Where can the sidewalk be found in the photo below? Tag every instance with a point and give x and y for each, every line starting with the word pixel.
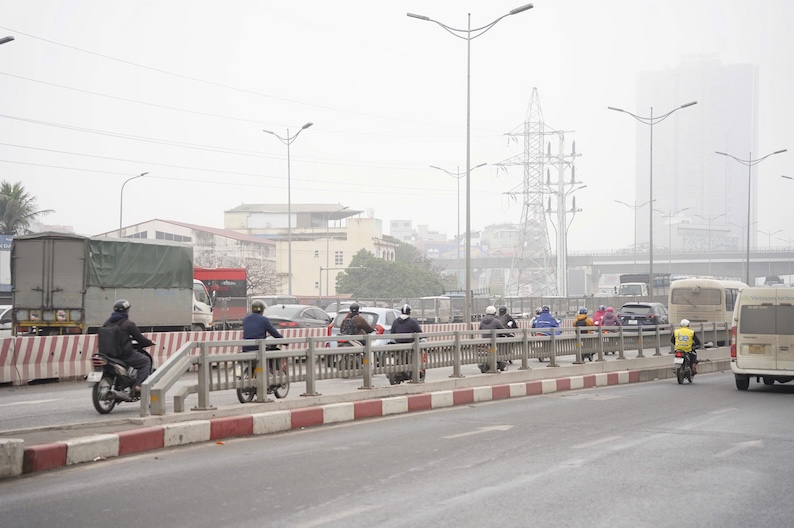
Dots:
pixel 40 449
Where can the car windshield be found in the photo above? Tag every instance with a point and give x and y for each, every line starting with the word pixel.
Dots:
pixel 636 310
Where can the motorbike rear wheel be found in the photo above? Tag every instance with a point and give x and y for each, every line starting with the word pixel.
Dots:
pixel 99 394
pixel 679 374
pixel 689 374
pixel 246 395
pixel 281 390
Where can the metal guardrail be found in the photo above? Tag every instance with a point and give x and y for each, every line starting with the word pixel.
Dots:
pixel 322 358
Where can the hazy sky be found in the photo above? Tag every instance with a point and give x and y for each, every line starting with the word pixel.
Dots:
pixel 95 92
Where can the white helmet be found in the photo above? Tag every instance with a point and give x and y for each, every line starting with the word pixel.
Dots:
pixel 491 310
pixel 684 322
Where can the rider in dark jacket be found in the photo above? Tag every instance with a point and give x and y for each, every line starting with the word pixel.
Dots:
pixel 129 332
pixel 257 326
pixel 405 325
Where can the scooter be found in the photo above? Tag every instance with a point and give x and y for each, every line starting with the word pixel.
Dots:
pixel 113 381
pixel 396 378
pixel 683 367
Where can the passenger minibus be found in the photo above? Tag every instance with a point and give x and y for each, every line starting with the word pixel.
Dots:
pixel 703 301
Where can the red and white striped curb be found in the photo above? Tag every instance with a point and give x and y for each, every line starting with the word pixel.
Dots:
pixel 16 459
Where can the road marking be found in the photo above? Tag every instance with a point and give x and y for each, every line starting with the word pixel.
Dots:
pixel 349 512
pixel 741 446
pixel 480 430
pixel 597 442
pixel 723 411
pixel 31 402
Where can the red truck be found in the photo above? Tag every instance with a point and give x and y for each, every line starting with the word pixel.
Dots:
pixel 227 287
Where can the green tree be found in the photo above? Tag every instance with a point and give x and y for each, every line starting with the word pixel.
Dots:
pixel 386 279
pixel 17 209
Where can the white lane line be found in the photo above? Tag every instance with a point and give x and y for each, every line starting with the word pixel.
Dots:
pixel 480 430
pixel 741 446
pixel 29 402
pixel 597 442
pixel 349 512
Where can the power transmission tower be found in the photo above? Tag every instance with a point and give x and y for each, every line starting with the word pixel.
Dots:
pixel 532 271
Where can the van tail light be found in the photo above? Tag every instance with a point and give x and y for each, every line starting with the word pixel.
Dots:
pixel 733 342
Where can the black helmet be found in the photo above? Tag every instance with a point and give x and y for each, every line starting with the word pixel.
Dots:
pixel 406 309
pixel 502 310
pixel 545 308
pixel 258 306
pixel 583 311
pixel 122 305
pixel 354 308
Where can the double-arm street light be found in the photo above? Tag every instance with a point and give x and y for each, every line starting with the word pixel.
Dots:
pixel 749 162
pixel 650 121
pixel 709 220
pixel 121 198
pixel 468 34
pixel 634 208
pixel 288 141
pixel 458 175
pixel 669 216
pixel 6 39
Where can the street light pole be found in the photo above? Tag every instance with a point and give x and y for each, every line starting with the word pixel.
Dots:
pixel 458 175
pixel 634 207
pixel 121 198
pixel 749 162
pixel 650 121
pixel 6 39
pixel 468 38
pixel 770 234
pixel 328 250
pixel 709 219
pixel 288 141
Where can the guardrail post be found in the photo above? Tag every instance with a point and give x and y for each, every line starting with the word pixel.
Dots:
pixel 658 343
pixel 311 370
pixel 456 356
pixel 204 380
pixel 492 359
pixel 261 372
pixel 366 363
pixel 622 346
pixel 553 354
pixel 417 361
pixel 525 350
pixel 641 342
pixel 578 359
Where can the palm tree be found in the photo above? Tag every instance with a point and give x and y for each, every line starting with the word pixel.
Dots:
pixel 17 209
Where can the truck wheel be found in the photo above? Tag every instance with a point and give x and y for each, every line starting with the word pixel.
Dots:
pixel 742 382
pixel 196 328
pixel 768 380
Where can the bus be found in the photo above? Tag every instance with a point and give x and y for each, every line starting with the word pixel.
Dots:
pixel 703 301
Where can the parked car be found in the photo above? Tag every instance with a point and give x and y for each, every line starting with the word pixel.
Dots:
pixel 635 314
pixel 285 316
pixel 333 308
pixel 5 320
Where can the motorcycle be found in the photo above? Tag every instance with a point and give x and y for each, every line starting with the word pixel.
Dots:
pixel 279 390
pixel 113 381
pixel 683 367
pixel 395 378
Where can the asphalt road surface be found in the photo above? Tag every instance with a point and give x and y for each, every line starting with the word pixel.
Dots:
pixel 653 454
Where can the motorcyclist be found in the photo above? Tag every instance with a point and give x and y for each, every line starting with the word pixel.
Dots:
pixel 538 311
pixel 583 320
pixel 507 319
pixel 362 327
pixel 686 340
pixel 129 332
pixel 599 315
pixel 490 321
pixel 257 326
pixel 545 320
pixel 405 325
pixel 610 318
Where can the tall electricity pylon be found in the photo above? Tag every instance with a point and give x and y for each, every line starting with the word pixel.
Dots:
pixel 532 270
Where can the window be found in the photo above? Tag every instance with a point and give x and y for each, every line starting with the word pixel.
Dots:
pixel 730 298
pixel 701 296
pixel 316 253
pixel 339 258
pixel 142 234
pixel 160 235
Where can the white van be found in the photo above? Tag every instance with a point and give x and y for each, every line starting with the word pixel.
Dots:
pixel 430 310
pixel 762 337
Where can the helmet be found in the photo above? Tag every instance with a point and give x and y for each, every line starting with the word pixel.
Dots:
pixel 610 309
pixel 602 307
pixel 354 308
pixel 406 309
pixel 537 311
pixel 684 322
pixel 258 306
pixel 502 310
pixel 122 305
pixel 491 310
pixel 582 310
pixel 545 308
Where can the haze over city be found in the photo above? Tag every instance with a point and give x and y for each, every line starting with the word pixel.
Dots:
pixel 95 93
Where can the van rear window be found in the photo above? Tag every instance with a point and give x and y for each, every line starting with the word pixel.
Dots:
pixel 767 319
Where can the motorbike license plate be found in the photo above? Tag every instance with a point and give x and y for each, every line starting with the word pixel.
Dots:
pixel 757 349
pixel 94 377
pixel 678 361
